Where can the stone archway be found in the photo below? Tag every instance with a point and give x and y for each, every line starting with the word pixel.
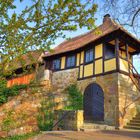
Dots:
pixel 93 103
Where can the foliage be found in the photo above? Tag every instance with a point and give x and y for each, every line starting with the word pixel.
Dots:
pixel 46 114
pixel 8 121
pixel 39 24
pixel 21 137
pixel 75 98
pixel 7 92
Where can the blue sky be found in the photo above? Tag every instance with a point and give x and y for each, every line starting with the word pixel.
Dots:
pixel 99 16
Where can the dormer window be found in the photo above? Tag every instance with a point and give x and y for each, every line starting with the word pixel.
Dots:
pixel 70 61
pixel 56 64
pixel 89 56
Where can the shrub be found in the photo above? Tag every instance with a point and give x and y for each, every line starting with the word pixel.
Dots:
pixel 8 121
pixel 75 98
pixel 16 88
pixel 45 117
pixel 3 99
pixel 21 137
pixel 6 92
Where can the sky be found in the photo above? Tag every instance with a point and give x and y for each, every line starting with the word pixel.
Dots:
pixel 99 16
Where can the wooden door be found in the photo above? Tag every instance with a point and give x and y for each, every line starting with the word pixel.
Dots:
pixel 94 103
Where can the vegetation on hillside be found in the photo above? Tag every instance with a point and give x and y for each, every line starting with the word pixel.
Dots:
pixel 21 137
pixel 6 92
pixel 45 116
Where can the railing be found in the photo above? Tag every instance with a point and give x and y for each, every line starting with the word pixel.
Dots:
pixel 59 121
pixel 134 75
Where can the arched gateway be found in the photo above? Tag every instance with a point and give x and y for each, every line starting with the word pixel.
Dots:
pixel 93 103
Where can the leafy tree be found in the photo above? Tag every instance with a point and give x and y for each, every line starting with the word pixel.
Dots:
pixel 39 25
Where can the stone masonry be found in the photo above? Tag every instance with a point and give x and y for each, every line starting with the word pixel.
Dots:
pixel 119 91
pixel 19 114
pixel 129 99
pixel 120 103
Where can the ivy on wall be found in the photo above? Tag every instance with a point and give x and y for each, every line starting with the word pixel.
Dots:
pixel 45 116
pixel 75 98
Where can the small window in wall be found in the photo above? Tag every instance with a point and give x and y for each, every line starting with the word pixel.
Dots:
pixel 89 56
pixel 56 64
pixel 109 51
pixel 70 61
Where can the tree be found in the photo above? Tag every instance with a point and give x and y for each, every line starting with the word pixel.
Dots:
pixel 126 12
pixel 39 24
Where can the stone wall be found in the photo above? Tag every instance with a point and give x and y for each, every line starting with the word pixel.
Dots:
pixel 19 114
pixel 119 94
pixel 73 120
pixel 109 85
pixel 128 93
pixel 60 81
pixel 119 91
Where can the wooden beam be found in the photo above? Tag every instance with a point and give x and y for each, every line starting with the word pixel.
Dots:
pixel 117 53
pixel 127 56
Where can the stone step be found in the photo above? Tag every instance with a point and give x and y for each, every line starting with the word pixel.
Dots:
pixel 136 117
pixel 87 127
pixel 87 130
pixel 135 121
pixel 138 114
pixel 134 124
pixel 132 127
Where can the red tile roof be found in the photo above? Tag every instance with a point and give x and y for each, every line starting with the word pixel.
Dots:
pixel 107 27
pixel 29 58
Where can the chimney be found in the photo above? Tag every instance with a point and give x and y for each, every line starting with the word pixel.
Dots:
pixel 106 18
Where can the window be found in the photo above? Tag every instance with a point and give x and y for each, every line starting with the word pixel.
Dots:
pixel 56 64
pixel 89 55
pixel 109 51
pixel 70 61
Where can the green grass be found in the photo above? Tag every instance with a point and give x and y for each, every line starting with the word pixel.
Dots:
pixel 21 137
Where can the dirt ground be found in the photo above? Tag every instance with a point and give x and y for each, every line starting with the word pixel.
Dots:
pixel 90 135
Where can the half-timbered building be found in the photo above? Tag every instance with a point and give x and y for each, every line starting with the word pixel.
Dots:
pixel 100 62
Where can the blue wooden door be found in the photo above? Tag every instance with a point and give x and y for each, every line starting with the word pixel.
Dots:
pixel 94 103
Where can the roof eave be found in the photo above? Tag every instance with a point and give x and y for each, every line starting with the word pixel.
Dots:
pixel 82 46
